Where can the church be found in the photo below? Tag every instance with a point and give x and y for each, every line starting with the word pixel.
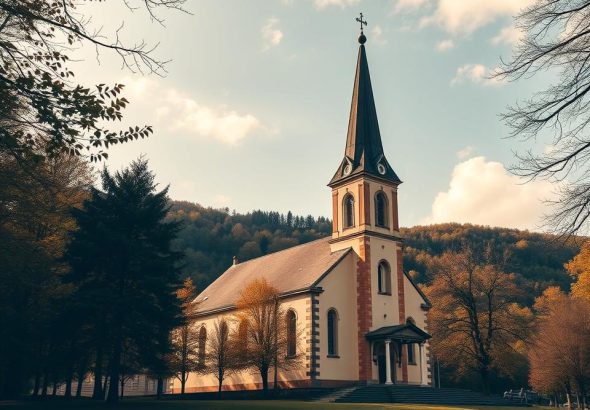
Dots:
pixel 359 317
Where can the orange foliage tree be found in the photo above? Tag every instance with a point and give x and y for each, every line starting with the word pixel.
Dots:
pixel 263 334
pixel 579 268
pixel 183 359
pixel 545 304
pixel 476 324
pixel 560 355
pixel 222 357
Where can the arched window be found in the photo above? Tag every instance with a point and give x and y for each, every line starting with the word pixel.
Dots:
pixel 332 332
pixel 381 209
pixel 348 210
pixel 291 333
pixel 202 344
pixel 384 278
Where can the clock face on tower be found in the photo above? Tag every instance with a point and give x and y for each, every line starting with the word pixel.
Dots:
pixel 347 169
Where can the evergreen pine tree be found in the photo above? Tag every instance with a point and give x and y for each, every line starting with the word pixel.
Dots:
pixel 125 271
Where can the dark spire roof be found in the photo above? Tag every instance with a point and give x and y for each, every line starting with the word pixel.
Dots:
pixel 364 150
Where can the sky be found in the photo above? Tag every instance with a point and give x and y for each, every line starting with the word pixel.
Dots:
pixel 253 110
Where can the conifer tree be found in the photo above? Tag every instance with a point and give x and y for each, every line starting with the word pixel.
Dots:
pixel 125 270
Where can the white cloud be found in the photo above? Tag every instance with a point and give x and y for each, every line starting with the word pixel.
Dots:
pixel 407 5
pixel 271 34
pixel 445 45
pixel 508 35
pixel 476 74
pixel 484 193
pixel 465 152
pixel 322 4
pixel 222 124
pixel 177 111
pixel 466 16
pixel 377 35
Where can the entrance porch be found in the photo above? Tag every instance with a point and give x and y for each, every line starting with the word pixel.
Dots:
pixel 388 345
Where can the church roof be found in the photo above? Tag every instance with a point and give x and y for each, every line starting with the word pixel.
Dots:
pixel 364 150
pixel 291 270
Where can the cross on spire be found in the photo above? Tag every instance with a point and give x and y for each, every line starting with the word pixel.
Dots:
pixel 361 21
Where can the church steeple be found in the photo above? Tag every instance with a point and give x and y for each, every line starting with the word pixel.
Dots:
pixel 364 151
pixel 365 218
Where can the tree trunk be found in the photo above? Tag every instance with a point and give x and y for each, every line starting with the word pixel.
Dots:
pixel 79 386
pixel 484 373
pixel 104 385
pixel 122 385
pixel 276 378
pixel 160 388
pixel 68 392
pixel 37 384
pixel 264 376
pixel 98 392
pixel 276 342
pixel 115 373
pixel 182 382
pixel 45 385
pixel 54 389
pixel 220 377
pixel 81 375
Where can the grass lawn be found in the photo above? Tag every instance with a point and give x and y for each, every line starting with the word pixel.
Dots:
pixel 149 404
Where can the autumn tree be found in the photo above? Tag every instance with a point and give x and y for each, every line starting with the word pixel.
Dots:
pixel 185 337
pixel 556 39
pixel 475 322
pixel 560 354
pixel 35 220
pixel 222 356
pixel 545 304
pixel 262 319
pixel 579 269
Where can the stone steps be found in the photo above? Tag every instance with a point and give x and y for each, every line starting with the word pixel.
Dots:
pixel 332 397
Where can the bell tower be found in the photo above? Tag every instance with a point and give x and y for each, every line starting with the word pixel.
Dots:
pixel 365 217
pixel 364 187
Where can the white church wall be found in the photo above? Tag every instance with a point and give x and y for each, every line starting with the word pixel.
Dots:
pixel 385 307
pixel 339 293
pixel 136 385
pixel 414 310
pixel 250 379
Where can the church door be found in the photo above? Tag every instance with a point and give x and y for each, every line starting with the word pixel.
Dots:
pixel 381 364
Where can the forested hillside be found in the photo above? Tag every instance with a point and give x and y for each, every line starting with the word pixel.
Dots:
pixel 211 237
pixel 536 259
